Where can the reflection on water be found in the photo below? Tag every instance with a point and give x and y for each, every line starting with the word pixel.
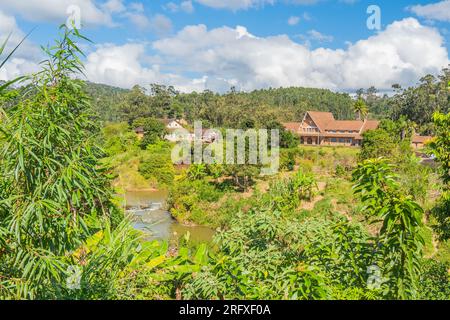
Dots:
pixel 151 217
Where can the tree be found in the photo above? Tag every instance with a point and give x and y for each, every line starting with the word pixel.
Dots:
pixel 440 148
pixel 399 241
pixel 157 166
pixel 391 140
pixel 161 98
pixel 154 130
pixel 440 145
pixel 197 171
pixel 360 108
pixel 419 103
pixel 135 105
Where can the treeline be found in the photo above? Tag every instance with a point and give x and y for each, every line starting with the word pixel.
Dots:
pixel 256 108
pixel 419 103
pixel 235 109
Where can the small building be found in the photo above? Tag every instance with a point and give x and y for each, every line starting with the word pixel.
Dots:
pixel 321 128
pixel 418 142
pixel 176 130
pixel 173 124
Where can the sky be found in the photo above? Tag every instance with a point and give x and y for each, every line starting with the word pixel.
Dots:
pixel 342 45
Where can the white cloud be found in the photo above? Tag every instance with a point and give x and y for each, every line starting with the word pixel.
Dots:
pixel 402 53
pixel 161 24
pixel 171 6
pixel 293 21
pixel 121 66
pixel 433 11
pixel 56 10
pixel 114 6
pixel 316 35
pixel 185 6
pixel 234 4
pixel 91 12
pixel 136 6
pixel 139 20
pixel 197 58
pixel 24 59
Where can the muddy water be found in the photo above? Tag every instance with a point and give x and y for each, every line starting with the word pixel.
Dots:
pixel 148 209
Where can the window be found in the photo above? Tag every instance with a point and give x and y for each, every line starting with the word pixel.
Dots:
pixel 333 140
pixel 341 140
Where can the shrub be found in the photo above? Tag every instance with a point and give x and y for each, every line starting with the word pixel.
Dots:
pixel 157 166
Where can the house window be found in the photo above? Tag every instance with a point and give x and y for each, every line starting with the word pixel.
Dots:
pixel 333 140
pixel 341 140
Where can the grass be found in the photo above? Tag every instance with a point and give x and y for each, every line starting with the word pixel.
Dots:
pixel 443 254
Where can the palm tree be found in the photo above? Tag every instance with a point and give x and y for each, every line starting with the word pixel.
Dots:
pixel 360 108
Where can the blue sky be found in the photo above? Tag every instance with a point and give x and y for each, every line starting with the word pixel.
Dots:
pixel 251 44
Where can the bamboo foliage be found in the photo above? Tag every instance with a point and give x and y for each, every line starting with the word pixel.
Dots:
pixel 52 190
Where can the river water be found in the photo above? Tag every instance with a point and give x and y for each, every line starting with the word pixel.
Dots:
pixel 148 209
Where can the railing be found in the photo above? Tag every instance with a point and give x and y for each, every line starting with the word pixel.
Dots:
pixel 310 130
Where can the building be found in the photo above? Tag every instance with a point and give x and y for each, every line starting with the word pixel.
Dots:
pixel 418 142
pixel 321 128
pixel 176 131
pixel 173 124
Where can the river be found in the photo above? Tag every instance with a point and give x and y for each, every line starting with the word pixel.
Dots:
pixel 148 209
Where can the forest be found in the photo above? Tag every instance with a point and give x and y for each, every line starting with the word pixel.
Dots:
pixel 335 223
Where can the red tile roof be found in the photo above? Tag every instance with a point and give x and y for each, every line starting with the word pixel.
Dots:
pixel 321 119
pixel 370 125
pixel 325 121
pixel 346 125
pixel 421 139
pixel 293 126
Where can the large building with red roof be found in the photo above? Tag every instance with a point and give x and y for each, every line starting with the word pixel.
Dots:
pixel 321 128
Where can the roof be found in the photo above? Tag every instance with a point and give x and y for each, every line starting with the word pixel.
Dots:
pixel 292 126
pixel 421 139
pixel 321 119
pixel 326 121
pixel 370 125
pixel 349 125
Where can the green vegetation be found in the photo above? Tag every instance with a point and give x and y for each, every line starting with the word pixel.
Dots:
pixel 440 148
pixel 334 223
pixel 61 236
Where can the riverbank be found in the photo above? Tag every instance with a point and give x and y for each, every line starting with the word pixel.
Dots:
pixel 149 215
